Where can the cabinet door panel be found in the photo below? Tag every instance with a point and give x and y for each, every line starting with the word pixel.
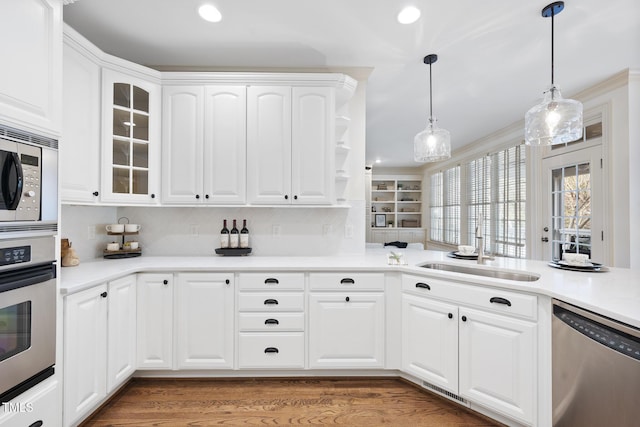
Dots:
pixel 121 320
pixel 313 147
pixel 346 330
pixel 269 144
pixel 204 320
pixel 225 147
pixel 154 321
pixel 182 142
pixel 430 341
pixel 85 352
pixel 498 362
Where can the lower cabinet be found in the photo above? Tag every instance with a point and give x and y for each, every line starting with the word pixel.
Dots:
pixel 204 320
pixel 154 321
pixel 99 344
pixel 486 357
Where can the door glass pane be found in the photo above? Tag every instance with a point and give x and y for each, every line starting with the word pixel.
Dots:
pixel 140 155
pixel 121 123
pixel 140 99
pixel 141 126
pixel 571 210
pixel 140 182
pixel 122 94
pixel 15 329
pixel 120 152
pixel 121 180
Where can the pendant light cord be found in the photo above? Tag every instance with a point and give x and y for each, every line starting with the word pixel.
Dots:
pixel 430 96
pixel 552 65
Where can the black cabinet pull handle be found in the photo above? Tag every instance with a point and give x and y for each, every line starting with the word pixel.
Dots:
pixel 347 299
pixel 271 281
pixel 271 322
pixel 286 197
pixel 95 193
pixel 227 281
pixel 499 300
pixel 347 280
pixel 423 286
pixel 464 318
pixel 271 301
pixel 450 315
pixel 165 282
pixel 103 295
pixel 271 350
pixel 38 423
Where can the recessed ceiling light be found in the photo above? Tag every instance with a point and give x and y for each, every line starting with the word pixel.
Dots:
pixel 208 12
pixel 378 160
pixel 409 15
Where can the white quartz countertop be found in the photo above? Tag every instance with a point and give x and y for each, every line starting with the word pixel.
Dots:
pixel 615 294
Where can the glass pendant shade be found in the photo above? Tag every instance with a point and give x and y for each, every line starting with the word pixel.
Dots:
pixel 432 144
pixel 553 121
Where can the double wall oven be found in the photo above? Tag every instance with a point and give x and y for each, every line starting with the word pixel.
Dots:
pixel 28 291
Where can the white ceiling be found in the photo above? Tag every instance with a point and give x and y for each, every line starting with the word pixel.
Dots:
pixel 494 55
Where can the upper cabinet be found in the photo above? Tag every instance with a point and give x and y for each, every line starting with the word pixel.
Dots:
pixel 130 139
pixel 80 142
pixel 204 144
pixel 31 71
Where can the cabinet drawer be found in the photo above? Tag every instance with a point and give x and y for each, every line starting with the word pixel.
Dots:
pixel 493 299
pixel 261 322
pixel 346 281
pixel 271 301
pixel 271 281
pixel 271 350
pixel 40 403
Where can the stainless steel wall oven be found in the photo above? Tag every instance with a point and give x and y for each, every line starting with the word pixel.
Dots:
pixel 27 313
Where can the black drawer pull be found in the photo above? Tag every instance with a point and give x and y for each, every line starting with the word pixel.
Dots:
pixel 423 286
pixel 271 350
pixel 271 322
pixel 271 281
pixel 38 423
pixel 347 280
pixel 103 295
pixel 271 301
pixel 500 300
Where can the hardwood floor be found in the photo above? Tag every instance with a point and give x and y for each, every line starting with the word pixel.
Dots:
pixel 265 401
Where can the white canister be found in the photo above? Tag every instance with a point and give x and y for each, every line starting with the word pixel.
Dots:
pixel 133 245
pixel 114 246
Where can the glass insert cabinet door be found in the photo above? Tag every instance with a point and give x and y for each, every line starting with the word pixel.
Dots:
pixel 131 139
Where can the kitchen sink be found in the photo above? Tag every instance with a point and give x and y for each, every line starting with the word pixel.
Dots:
pixel 498 274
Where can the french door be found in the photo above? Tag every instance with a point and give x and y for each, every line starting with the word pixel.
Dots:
pixel 573 205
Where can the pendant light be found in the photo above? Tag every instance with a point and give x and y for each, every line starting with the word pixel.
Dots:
pixel 555 120
pixel 433 143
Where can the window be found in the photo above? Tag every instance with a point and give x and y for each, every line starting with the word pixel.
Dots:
pixel 444 206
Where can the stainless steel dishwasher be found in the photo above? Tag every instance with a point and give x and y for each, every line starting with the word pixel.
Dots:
pixel 596 369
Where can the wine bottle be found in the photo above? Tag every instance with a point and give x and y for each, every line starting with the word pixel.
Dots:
pixel 234 236
pixel 244 235
pixel 224 235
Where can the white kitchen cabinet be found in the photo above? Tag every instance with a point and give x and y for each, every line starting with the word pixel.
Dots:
pixel 85 352
pixel 204 144
pixel 430 341
pixel 154 321
pixel 204 320
pixel 131 123
pixel 80 142
pixel 31 72
pixel 498 362
pixel 121 331
pixel 38 406
pixel 290 145
pixel 346 330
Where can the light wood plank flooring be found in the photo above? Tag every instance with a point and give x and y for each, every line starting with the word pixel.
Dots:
pixel 264 401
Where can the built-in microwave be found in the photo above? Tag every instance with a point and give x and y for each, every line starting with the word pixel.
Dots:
pixel 28 183
pixel 20 181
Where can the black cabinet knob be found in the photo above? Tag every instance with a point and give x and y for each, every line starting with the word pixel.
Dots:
pixel 165 282
pixel 286 197
pixel 227 281
pixel 95 193
pixel 197 196
pixel 464 318
pixel 450 316
pixel 347 299
pixel 153 196
pixel 206 196
pixel 295 197
pixel 103 295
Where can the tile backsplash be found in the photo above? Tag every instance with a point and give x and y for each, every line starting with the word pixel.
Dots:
pixel 184 231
